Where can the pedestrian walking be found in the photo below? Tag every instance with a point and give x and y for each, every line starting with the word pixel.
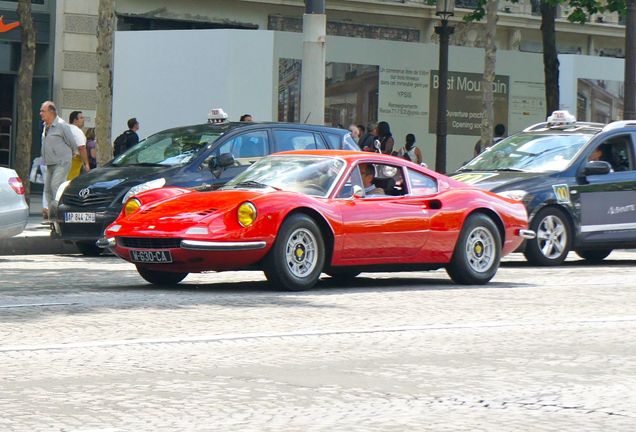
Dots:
pixel 91 147
pixel 80 160
pixel 384 141
pixel 366 142
pixel 128 138
pixel 410 151
pixel 58 148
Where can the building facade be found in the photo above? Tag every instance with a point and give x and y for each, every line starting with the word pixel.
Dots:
pixel 66 66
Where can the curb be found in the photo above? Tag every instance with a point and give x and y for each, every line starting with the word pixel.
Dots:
pixel 35 245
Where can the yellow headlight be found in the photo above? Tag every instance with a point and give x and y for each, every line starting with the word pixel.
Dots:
pixel 132 205
pixel 246 214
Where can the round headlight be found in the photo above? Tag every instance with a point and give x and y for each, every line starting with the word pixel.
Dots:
pixel 246 214
pixel 132 205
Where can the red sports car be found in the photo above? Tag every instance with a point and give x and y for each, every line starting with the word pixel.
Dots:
pixel 295 215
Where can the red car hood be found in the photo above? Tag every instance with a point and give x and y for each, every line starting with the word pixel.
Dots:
pixel 188 209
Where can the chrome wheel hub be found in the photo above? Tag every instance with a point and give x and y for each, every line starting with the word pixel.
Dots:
pixel 481 249
pixel 551 237
pixel 300 253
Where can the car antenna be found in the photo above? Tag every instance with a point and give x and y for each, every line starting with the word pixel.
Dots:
pixel 305 122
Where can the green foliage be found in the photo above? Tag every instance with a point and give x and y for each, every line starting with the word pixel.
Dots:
pixel 582 10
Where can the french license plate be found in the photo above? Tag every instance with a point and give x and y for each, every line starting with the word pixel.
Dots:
pixel 77 217
pixel 151 256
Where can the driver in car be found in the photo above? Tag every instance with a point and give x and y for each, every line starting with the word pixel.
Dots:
pixel 368 176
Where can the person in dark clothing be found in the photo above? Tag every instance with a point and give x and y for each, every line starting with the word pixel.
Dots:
pixel 127 139
pixel 384 142
pixel 366 140
pixel 499 134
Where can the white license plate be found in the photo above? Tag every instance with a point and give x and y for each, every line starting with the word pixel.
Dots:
pixel 75 217
pixel 151 256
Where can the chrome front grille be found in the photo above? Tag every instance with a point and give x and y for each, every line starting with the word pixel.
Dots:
pixel 93 200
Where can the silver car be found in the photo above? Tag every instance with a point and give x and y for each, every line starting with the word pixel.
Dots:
pixel 14 211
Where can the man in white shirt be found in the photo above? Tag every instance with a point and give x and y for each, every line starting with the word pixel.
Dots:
pixel 76 123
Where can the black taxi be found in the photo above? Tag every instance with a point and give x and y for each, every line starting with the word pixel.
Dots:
pixel 577 180
pixel 177 157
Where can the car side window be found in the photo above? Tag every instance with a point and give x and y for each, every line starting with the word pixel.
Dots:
pixel 617 151
pixel 333 140
pixel 287 140
pixel 247 145
pixel 320 143
pixel 347 189
pixel 421 184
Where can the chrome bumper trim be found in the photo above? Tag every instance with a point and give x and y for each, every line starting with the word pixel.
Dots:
pixel 221 246
pixel 527 234
pixel 106 242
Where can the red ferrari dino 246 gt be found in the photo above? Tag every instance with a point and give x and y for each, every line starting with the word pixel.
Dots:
pixel 295 215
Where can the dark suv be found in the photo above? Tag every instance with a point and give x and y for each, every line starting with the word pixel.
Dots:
pixel 177 157
pixel 578 181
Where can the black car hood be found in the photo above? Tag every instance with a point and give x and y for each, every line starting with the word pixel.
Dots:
pixel 496 180
pixel 112 180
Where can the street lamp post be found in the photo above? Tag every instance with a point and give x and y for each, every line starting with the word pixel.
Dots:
pixel 444 9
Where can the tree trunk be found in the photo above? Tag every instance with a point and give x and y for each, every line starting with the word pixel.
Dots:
pixel 490 60
pixel 550 59
pixel 103 117
pixel 24 139
pixel 629 112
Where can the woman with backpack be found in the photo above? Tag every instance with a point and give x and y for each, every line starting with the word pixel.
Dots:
pixel 410 151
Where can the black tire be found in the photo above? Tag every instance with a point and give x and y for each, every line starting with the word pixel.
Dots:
pixel 298 256
pixel 477 253
pixel 594 255
pixel 343 275
pixel 89 248
pixel 161 278
pixel 554 238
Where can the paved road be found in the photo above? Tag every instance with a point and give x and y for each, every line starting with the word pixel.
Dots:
pixel 87 345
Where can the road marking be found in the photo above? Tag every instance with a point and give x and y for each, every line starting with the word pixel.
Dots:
pixel 246 336
pixel 35 305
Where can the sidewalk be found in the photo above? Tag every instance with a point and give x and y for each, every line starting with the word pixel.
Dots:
pixel 36 238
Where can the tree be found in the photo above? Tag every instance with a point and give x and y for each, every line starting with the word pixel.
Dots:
pixel 24 139
pixel 550 55
pixel 581 12
pixel 488 9
pixel 103 117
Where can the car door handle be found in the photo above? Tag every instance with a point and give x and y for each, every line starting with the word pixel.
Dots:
pixel 433 204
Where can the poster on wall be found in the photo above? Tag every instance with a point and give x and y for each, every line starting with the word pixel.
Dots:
pixel 351 92
pixel 527 105
pixel 464 102
pixel 403 92
pixel 599 100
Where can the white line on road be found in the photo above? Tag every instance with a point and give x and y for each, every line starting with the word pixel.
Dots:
pixel 35 305
pixel 244 336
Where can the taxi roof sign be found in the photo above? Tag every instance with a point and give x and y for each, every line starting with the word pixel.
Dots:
pixel 561 118
pixel 217 115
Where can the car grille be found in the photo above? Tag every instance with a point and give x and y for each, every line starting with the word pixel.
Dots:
pixel 93 200
pixel 149 243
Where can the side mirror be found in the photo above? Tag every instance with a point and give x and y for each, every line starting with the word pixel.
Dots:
pixel 216 164
pixel 597 168
pixel 358 192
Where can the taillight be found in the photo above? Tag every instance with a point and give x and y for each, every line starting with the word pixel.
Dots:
pixel 16 185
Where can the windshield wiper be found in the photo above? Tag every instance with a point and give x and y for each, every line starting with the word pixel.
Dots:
pixel 149 164
pixel 510 169
pixel 252 183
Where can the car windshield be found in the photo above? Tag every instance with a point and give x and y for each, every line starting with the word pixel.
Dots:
pixel 311 175
pixel 529 152
pixel 171 147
